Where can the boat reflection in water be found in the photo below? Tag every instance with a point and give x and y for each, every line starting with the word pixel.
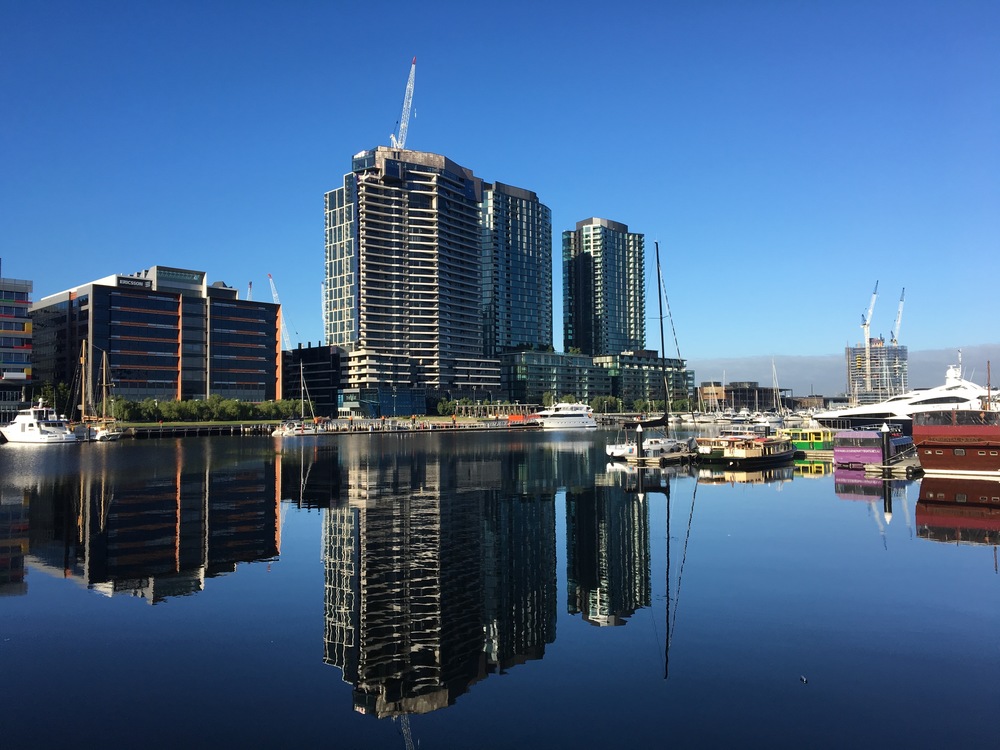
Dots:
pixel 959 510
pixel 720 475
pixel 856 484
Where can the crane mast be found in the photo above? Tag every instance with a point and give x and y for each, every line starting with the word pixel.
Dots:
pixel 286 341
pixel 404 118
pixel 899 319
pixel 865 328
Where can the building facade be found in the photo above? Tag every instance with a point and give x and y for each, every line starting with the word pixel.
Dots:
pixel 15 346
pixel 639 376
pixel 403 273
pixel 604 307
pixel 517 271
pixel 528 376
pixel 167 334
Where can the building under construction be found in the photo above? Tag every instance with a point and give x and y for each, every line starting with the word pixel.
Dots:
pixel 876 370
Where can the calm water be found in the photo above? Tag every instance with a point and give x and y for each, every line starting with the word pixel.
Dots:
pixel 485 591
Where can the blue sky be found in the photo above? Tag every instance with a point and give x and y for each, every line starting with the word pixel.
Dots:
pixel 786 155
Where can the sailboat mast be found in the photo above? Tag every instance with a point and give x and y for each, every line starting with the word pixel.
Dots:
pixel 663 345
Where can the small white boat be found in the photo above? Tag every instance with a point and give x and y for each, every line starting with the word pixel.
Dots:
pixel 655 446
pixel 566 416
pixel 38 425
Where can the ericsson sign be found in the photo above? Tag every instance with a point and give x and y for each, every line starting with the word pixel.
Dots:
pixel 134 283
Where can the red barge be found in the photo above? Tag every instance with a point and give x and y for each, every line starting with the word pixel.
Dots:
pixel 960 443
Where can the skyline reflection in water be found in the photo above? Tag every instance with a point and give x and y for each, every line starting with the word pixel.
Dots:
pixel 467 589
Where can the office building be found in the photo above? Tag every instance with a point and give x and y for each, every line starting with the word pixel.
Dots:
pixel 604 308
pixel 517 271
pixel 168 334
pixel 15 346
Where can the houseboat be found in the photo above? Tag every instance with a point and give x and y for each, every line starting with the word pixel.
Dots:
pixel 958 443
pixel 745 450
pixel 857 448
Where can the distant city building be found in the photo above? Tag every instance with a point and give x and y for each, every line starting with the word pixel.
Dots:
pixel 517 271
pixel 403 282
pixel 604 308
pixel 15 346
pixel 743 394
pixel 876 372
pixel 167 334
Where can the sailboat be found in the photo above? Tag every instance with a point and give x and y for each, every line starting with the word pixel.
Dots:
pixel 93 426
pixel 299 427
pixel 659 444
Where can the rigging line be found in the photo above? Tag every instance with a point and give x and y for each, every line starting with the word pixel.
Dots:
pixel 680 573
pixel 670 316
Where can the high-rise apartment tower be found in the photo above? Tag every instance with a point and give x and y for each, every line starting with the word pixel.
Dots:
pixel 430 271
pixel 604 302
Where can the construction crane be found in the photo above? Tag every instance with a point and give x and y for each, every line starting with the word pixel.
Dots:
pixel 865 328
pixel 899 319
pixel 249 291
pixel 404 119
pixel 286 340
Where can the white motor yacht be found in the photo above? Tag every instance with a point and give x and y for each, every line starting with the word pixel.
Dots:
pixel 38 425
pixel 566 416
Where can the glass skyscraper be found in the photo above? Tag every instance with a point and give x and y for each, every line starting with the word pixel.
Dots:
pixel 517 271
pixel 604 304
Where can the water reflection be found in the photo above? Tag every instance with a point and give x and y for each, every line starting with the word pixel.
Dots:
pixel 13 541
pixel 151 531
pixel 440 566
pixel 770 475
pixel 959 511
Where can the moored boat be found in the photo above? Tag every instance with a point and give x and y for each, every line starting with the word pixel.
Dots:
pixel 856 448
pixel 809 439
pixel 958 443
pixel 566 416
pixel 745 450
pixel 38 425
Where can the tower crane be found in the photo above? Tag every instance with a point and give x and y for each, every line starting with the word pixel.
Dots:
pixel 865 327
pixel 249 291
pixel 286 340
pixel 899 319
pixel 404 118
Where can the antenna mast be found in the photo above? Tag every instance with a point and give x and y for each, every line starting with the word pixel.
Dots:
pixel 404 119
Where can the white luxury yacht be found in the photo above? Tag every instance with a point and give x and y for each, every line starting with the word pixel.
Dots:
pixel 956 393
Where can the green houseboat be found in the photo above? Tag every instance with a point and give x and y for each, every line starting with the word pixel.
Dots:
pixel 810 439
